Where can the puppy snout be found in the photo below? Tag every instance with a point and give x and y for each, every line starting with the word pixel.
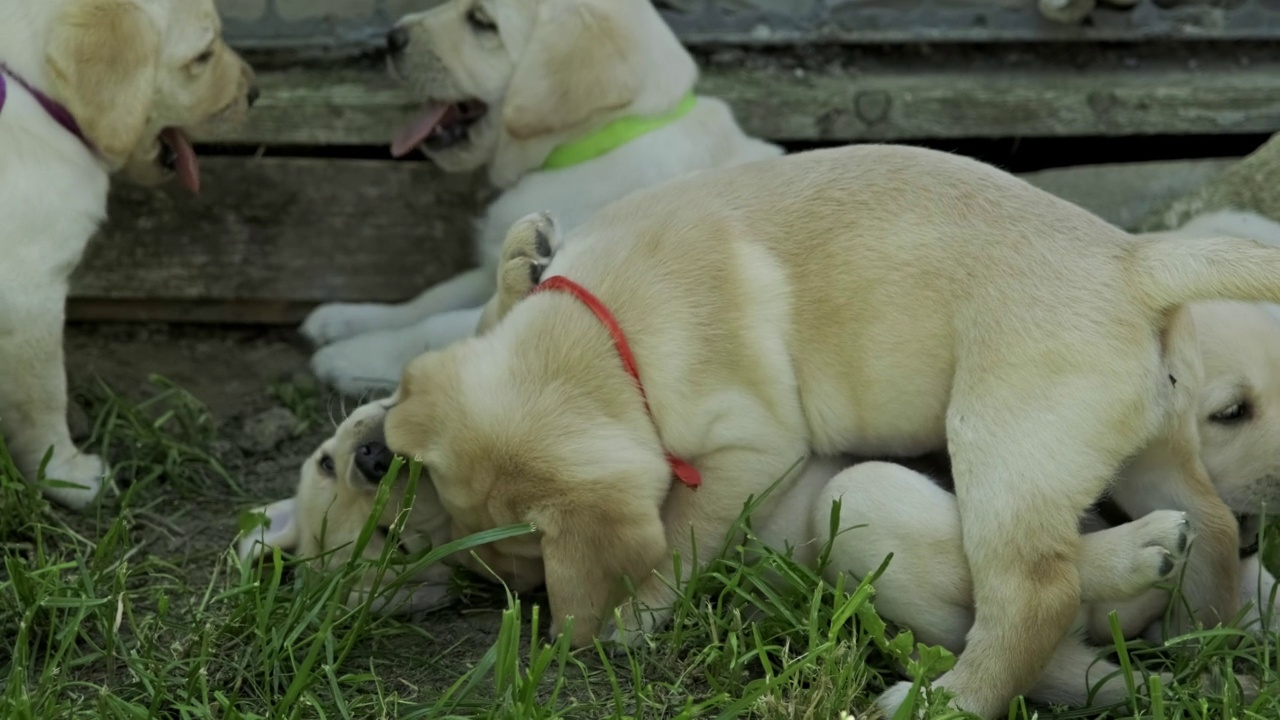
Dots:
pixel 373 460
pixel 254 94
pixel 397 40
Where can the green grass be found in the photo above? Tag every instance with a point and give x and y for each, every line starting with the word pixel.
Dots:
pixel 138 610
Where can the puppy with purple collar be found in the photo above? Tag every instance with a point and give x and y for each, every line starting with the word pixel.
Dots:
pixel 87 88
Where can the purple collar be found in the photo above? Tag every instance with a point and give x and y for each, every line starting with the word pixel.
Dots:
pixel 55 109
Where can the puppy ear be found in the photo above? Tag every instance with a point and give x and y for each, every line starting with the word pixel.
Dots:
pixel 581 61
pixel 102 56
pixel 280 530
pixel 589 553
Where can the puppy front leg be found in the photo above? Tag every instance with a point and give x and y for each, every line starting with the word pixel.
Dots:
pixel 374 361
pixel 340 321
pixel 526 253
pixel 33 396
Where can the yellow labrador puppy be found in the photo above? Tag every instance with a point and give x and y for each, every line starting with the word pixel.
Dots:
pixel 87 88
pixel 928 588
pixel 875 300
pixel 569 105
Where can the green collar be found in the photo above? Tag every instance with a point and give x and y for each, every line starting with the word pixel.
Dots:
pixel 613 136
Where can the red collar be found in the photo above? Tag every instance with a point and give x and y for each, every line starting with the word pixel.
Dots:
pixel 683 471
pixel 53 108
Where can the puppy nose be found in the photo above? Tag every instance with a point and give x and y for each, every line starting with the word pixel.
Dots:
pixel 254 94
pixel 397 39
pixel 373 460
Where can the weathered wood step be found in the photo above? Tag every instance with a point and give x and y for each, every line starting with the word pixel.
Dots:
pixel 840 97
pixel 270 238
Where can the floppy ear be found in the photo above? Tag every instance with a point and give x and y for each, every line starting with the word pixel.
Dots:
pixel 587 551
pixel 280 530
pixel 581 60
pixel 102 56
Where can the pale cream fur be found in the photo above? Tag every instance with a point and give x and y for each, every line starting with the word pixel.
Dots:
pixel 127 70
pixel 871 300
pixel 549 71
pixel 927 586
pixel 895 509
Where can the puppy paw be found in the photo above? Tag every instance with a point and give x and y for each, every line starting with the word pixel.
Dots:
pixel 1162 538
pixel 631 625
pixel 366 363
pixel 75 480
pixel 1068 12
pixel 339 321
pixel 529 246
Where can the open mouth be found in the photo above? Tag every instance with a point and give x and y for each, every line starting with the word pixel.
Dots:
pixel 439 126
pixel 179 157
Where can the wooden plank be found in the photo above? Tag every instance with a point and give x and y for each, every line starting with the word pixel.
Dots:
pixel 189 312
pixel 271 238
pixel 277 234
pixel 795 101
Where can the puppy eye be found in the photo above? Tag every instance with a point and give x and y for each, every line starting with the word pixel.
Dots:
pixel 1233 413
pixel 203 57
pixel 326 465
pixel 480 20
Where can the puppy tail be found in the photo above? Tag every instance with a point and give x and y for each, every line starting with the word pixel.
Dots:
pixel 1171 272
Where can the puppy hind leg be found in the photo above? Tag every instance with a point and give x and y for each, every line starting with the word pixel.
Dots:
pixel 887 508
pixel 1076 676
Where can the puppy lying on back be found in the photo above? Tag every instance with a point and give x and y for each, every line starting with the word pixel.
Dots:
pixel 569 105
pixel 87 88
pixel 338 484
pixel 337 488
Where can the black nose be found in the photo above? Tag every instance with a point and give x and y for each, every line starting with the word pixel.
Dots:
pixel 397 39
pixel 373 460
pixel 254 94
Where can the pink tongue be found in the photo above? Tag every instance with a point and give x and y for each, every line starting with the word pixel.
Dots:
pixel 414 133
pixel 187 165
